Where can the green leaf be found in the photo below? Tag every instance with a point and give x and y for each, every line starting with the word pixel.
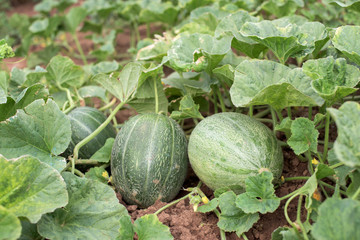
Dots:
pixel 40 130
pixel 105 67
pixel 144 99
pixel 259 196
pixel 285 126
pixel 347 144
pixel 126 228
pixel 93 91
pixel 27 96
pixel 231 25
pixel 39 25
pixel 5 50
pixel 198 52
pixel 351 4
pixel 29 231
pixel 333 79
pixel 188 83
pixel 286 39
pixel 188 109
pixel 324 171
pixel 232 218
pixel 98 174
pixel 149 227
pixel 304 136
pixel 354 185
pixel 157 50
pixel 163 12
pixel 124 86
pixel 225 73
pixel 338 219
pixel 260 82
pixel 342 171
pixel 74 17
pixel 281 8
pixel 30 188
pixel 93 212
pixel 62 72
pixel 193 4
pixel 10 227
pixel 205 24
pixel 104 153
pixel 346 40
pixel 285 233
pixel 211 206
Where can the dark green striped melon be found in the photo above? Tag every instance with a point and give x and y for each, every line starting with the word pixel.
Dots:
pixel 225 148
pixel 84 121
pixel 149 159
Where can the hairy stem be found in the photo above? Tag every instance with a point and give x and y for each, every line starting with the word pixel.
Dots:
pixel 327 126
pixel 78 45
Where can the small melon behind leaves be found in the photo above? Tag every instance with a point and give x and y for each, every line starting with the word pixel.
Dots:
pixel 225 148
pixel 149 159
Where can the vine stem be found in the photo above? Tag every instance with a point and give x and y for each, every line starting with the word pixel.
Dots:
pixel 287 215
pixel 78 45
pixel 298 218
pixel 244 236
pixel 156 97
pixel 356 194
pixel 262 114
pixel 80 174
pixel 251 111
pixel 273 115
pixel 327 126
pixel 336 165
pixel 92 135
pixel 109 105
pixel 172 203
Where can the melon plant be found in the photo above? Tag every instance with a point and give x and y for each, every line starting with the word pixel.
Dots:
pixel 84 121
pixel 226 148
pixel 149 159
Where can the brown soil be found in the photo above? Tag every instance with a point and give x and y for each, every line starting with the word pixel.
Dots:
pixel 184 223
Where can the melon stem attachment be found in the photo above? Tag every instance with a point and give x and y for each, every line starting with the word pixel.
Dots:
pixel 93 134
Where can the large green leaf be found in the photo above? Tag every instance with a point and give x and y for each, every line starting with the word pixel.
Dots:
pixel 281 8
pixel 163 12
pixel 259 82
pixel 259 196
pixel 352 4
pixel 333 79
pixel 233 218
pixel 347 144
pixel 126 228
pixel 346 39
pixel 27 96
pixel 93 212
pixel 10 227
pixel 30 188
pixel 149 227
pixel 74 17
pixel 205 24
pixel 93 91
pixel 338 219
pixel 304 136
pixel 232 25
pixel 285 38
pixel 188 83
pixel 123 86
pixel 198 52
pixel 63 72
pixel 40 130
